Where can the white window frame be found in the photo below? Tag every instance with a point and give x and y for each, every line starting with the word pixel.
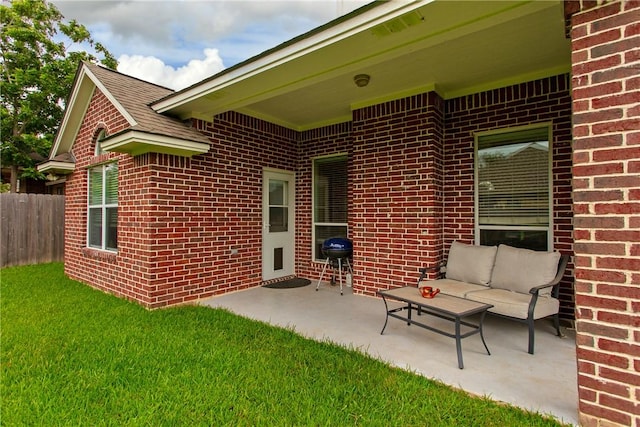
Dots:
pixel 549 228
pixel 314 256
pixel 103 206
pixel 98 148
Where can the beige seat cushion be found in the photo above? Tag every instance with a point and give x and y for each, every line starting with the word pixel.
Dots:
pixel 455 288
pixel 519 270
pixel 515 304
pixel 470 263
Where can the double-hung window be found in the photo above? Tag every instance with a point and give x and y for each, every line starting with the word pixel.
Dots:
pixel 103 207
pixel 330 200
pixel 513 188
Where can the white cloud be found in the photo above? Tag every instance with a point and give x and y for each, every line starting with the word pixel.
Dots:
pixel 161 40
pixel 176 31
pixel 154 70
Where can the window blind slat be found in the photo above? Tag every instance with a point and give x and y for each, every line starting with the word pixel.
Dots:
pixel 111 190
pixel 513 182
pixel 513 188
pixel 95 186
pixel 330 200
pixel 102 219
pixel 330 190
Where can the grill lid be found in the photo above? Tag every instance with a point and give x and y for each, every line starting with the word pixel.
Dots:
pixel 337 247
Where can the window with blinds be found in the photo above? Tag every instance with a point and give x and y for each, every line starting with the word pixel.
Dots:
pixel 513 188
pixel 330 202
pixel 102 227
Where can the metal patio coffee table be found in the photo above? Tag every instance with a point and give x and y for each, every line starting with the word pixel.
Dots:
pixel 446 307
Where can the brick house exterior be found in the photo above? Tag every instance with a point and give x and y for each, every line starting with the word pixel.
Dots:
pixel 606 179
pixel 190 208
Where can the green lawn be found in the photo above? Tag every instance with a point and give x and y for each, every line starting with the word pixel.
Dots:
pixel 71 355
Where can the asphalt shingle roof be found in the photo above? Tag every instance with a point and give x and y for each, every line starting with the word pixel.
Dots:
pixel 135 96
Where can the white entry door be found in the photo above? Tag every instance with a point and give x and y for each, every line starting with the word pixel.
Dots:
pixel 278 228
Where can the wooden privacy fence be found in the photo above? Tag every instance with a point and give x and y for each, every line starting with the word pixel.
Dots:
pixel 31 229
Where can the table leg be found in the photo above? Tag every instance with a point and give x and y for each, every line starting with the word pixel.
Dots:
pixel 386 310
pixel 481 334
pixel 459 343
pixel 409 314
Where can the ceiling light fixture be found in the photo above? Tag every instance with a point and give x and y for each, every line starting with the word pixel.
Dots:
pixel 361 80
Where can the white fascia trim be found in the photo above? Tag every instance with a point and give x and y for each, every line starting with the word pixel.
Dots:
pixel 57 166
pixel 343 30
pixel 117 143
pixel 79 102
pixel 75 101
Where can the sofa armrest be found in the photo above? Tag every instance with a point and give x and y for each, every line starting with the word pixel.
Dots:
pixel 536 289
pixel 562 266
pixel 436 268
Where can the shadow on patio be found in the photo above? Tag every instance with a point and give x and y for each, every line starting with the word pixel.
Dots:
pixel 545 382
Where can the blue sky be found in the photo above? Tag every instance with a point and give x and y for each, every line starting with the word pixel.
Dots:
pixel 176 43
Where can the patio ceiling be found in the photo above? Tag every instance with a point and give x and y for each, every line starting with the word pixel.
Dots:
pixel 454 48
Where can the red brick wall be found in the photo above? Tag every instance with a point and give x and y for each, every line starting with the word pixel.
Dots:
pixel 540 101
pixel 403 179
pixel 229 179
pixel 329 140
pixel 397 185
pixel 606 93
pixel 178 218
pixel 87 265
pixel 207 206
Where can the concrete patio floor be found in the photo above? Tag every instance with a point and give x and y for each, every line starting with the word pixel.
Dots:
pixel 545 382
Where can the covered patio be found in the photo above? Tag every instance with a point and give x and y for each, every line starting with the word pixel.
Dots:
pixel 545 382
pixel 380 127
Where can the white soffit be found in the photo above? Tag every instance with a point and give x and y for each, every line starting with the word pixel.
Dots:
pixel 136 143
pixel 262 63
pixel 61 168
pixel 455 48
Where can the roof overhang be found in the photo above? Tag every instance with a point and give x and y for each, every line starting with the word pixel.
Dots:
pixel 83 88
pixel 455 48
pixel 136 143
pixel 56 167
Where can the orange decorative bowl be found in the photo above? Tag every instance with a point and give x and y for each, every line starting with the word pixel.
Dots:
pixel 429 292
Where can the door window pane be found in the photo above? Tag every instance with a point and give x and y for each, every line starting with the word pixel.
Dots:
pixel 278 219
pixel 277 192
pixel 278 206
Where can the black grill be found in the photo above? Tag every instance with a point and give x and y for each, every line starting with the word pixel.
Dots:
pixel 337 247
pixel 337 252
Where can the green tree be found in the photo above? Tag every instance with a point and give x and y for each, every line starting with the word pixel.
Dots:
pixel 37 71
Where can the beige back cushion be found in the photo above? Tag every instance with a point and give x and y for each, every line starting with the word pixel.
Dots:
pixel 471 264
pixel 521 269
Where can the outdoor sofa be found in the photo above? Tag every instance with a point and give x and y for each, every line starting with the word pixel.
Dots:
pixel 521 284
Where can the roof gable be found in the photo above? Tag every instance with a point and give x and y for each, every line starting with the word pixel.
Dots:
pixel 131 97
